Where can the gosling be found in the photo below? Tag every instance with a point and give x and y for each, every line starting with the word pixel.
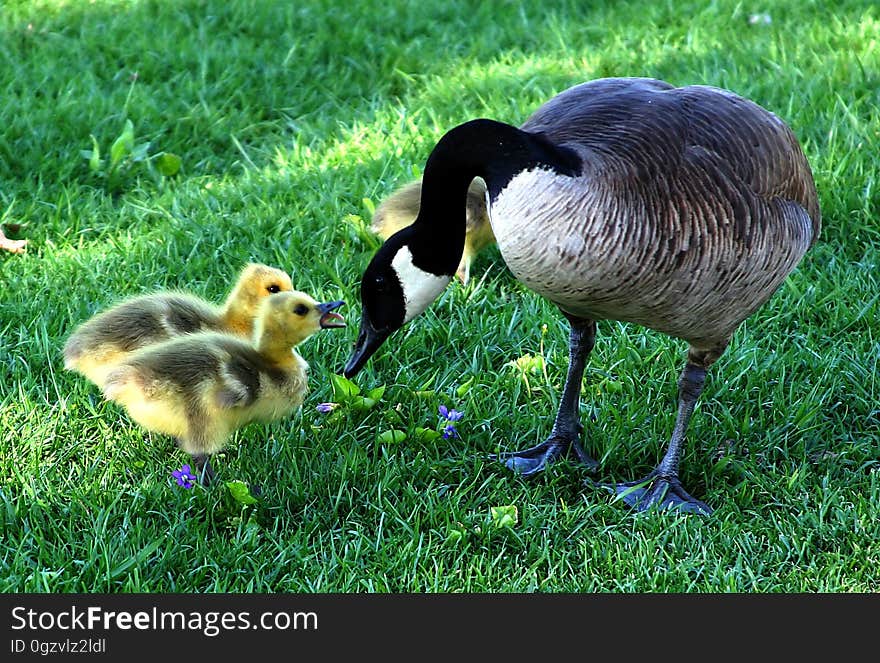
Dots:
pixel 202 387
pixel 99 344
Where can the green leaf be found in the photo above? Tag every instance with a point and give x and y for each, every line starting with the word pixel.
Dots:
pixel 466 387
pixel 528 363
pixel 168 164
pixel 362 403
pixel 427 434
pixel 95 156
pixel 392 436
pixel 359 402
pixel 240 492
pixel 610 386
pixel 454 535
pixel 370 205
pixel 123 145
pixel 376 393
pixel 504 516
pixel 343 389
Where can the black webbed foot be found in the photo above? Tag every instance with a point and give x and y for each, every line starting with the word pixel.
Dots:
pixel 663 492
pixel 535 459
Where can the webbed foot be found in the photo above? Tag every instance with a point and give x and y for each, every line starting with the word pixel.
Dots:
pixel 535 459
pixel 663 492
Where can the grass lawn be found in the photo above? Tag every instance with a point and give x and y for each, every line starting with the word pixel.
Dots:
pixel 292 120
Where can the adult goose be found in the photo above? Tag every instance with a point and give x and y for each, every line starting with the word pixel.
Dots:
pixel 681 209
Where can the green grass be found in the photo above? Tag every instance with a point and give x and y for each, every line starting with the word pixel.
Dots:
pixel 288 118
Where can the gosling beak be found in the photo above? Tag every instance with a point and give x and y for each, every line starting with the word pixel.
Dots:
pixel 368 341
pixel 329 319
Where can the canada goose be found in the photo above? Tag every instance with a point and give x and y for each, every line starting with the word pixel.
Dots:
pixel 680 209
pixel 401 208
pixel 101 342
pixel 201 387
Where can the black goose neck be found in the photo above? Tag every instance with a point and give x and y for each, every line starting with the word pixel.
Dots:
pixel 484 148
pixel 494 151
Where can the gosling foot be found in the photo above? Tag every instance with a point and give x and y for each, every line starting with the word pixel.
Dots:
pixel 663 492
pixel 535 459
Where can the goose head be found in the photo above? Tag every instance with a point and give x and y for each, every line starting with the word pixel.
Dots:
pixel 404 277
pixel 416 264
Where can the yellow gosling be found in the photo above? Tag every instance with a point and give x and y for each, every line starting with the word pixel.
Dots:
pixel 98 345
pixel 202 387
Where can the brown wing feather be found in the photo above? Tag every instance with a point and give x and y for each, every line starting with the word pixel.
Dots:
pixel 649 129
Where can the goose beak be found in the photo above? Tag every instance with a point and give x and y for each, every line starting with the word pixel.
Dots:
pixel 368 341
pixel 329 319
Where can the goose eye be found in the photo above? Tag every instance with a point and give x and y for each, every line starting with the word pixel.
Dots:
pixel 380 282
pixel 301 309
pixel 274 288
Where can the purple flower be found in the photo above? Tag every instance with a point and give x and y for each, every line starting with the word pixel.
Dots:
pixel 185 477
pixel 325 408
pixel 449 432
pixel 451 415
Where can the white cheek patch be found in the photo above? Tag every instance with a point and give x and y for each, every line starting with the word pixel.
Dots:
pixel 420 288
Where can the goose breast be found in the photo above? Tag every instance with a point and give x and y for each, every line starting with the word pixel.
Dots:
pixel 692 207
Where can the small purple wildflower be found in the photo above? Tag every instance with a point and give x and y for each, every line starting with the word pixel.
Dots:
pixel 185 477
pixel 325 408
pixel 450 415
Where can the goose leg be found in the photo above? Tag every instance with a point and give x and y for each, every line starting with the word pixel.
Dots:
pixel 565 435
pixel 198 438
pixel 201 463
pixel 204 471
pixel 662 487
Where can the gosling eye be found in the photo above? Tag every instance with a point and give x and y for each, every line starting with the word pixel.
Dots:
pixel 301 309
pixel 274 288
